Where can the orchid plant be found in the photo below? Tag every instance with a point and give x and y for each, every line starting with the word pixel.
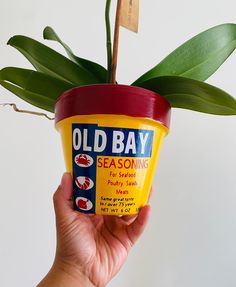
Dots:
pixel 179 77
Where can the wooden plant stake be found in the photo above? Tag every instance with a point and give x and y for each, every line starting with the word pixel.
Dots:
pixel 127 15
pixel 116 42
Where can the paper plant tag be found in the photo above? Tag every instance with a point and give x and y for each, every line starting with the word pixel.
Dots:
pixel 130 14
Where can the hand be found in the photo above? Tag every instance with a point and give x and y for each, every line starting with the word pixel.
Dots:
pixel 91 248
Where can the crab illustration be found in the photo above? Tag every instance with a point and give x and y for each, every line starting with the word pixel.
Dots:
pixel 83 159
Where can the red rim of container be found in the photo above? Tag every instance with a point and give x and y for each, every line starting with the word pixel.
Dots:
pixel 113 99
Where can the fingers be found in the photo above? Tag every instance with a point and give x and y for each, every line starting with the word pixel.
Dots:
pixel 131 218
pixel 63 196
pixel 135 229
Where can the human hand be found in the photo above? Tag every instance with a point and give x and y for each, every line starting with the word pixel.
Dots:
pixel 91 249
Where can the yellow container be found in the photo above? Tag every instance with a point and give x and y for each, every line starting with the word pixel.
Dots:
pixel 111 154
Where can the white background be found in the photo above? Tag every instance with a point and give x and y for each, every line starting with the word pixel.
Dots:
pixel 191 237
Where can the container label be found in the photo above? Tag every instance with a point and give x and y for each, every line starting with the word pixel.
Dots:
pixel 109 166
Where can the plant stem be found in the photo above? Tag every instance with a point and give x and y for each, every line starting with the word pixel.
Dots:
pixel 116 42
pixel 108 39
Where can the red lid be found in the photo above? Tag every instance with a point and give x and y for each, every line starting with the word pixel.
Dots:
pixel 113 99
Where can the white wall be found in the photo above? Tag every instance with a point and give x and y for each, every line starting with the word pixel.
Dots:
pixel 190 240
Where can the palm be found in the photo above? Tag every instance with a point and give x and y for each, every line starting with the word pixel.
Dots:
pixel 98 245
pixel 97 240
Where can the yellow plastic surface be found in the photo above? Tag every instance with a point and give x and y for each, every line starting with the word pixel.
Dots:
pixel 119 191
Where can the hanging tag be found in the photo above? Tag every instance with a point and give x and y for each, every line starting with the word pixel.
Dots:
pixel 129 17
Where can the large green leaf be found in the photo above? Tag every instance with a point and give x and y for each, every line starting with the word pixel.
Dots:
pixel 97 70
pixel 199 57
pixel 34 87
pixel 50 62
pixel 194 95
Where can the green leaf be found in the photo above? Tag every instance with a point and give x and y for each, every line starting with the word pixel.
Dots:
pixel 34 87
pixel 97 70
pixel 194 95
pixel 199 57
pixel 50 62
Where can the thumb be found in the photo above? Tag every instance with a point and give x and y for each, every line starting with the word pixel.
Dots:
pixel 62 199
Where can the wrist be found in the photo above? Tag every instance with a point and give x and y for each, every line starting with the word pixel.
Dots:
pixel 63 275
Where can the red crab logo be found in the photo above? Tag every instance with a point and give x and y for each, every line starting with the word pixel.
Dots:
pixel 83 160
pixel 84 183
